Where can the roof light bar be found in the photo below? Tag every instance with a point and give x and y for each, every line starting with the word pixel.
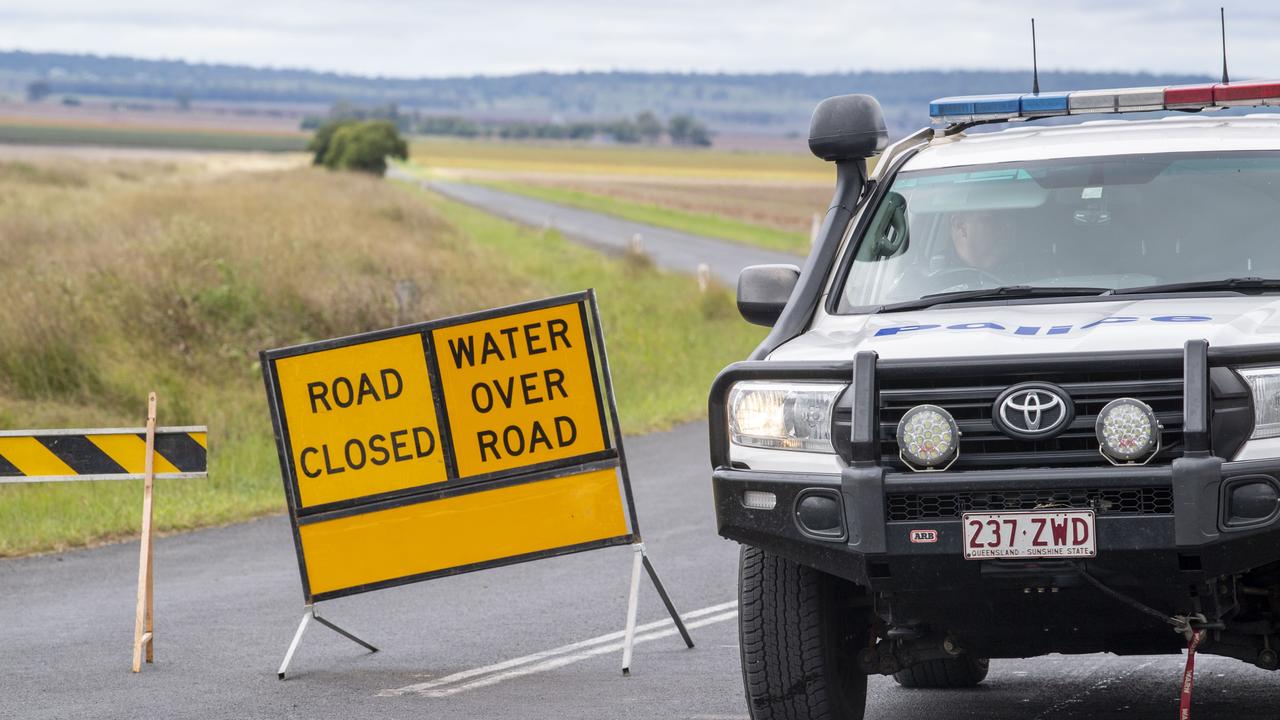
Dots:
pixel 998 108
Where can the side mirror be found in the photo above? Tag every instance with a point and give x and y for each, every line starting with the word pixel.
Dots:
pixel 763 291
pixel 848 127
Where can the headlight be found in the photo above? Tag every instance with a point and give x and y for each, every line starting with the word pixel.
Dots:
pixel 783 415
pixel 1265 384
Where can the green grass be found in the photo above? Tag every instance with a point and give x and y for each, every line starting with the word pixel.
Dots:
pixel 716 226
pixel 117 282
pixel 150 138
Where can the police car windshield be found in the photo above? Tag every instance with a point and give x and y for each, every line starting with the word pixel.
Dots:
pixel 1110 222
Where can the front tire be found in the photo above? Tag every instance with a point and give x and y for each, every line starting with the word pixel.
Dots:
pixel 799 639
pixel 958 672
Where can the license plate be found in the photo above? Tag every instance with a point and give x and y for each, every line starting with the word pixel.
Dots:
pixel 1030 534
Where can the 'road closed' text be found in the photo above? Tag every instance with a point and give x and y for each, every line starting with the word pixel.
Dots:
pixel 361 420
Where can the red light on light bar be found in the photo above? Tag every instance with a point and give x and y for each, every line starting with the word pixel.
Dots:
pixel 1245 92
pixel 1188 96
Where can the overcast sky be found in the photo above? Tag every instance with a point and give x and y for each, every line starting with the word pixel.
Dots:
pixel 462 37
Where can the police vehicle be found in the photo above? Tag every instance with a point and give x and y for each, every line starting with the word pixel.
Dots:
pixel 1022 398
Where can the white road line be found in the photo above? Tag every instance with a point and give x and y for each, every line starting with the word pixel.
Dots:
pixel 563 660
pixel 539 656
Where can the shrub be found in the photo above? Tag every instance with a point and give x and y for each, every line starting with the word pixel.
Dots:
pixel 358 145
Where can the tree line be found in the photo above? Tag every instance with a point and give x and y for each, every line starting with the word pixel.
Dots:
pixel 645 127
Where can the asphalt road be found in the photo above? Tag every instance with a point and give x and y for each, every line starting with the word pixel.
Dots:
pixel 669 249
pixel 228 600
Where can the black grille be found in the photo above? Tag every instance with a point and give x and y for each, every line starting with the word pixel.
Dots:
pixel 1105 501
pixel 969 395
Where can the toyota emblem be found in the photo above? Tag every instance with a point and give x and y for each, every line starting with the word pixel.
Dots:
pixel 1033 411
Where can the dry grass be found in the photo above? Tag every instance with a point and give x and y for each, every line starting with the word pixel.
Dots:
pixel 122 277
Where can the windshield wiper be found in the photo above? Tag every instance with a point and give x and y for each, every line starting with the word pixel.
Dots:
pixel 1242 284
pixel 1006 291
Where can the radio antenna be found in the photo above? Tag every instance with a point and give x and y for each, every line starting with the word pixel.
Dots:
pixel 1222 14
pixel 1035 68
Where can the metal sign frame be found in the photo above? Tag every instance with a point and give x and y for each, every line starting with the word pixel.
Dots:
pixel 455 484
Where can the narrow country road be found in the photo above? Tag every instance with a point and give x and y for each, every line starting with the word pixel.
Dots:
pixel 669 249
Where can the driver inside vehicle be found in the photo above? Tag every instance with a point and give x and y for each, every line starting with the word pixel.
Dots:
pixel 982 241
pixel 980 254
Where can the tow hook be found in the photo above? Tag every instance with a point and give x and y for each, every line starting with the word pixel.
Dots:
pixel 892 655
pixel 879 660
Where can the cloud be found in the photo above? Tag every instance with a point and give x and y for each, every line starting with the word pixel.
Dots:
pixel 455 37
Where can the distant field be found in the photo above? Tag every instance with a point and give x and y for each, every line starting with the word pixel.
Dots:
pixel 561 159
pixel 25 132
pixel 124 276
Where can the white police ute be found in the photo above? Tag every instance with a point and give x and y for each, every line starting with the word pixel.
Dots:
pixel 1023 398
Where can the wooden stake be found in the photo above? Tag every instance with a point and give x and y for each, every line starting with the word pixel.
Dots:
pixel 144 627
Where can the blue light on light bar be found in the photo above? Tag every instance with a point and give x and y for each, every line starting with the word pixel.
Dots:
pixel 974 107
pixel 1044 104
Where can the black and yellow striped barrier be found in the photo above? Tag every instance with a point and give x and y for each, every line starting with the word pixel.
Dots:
pixel 101 454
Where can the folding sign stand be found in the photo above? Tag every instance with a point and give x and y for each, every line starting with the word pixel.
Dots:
pixel 302 627
pixel 642 558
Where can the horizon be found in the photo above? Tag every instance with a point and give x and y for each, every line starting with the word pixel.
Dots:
pixel 392 40
pixel 611 71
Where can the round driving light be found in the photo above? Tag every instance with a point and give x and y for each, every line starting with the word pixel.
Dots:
pixel 1128 431
pixel 928 438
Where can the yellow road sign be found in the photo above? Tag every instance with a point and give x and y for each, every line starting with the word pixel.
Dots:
pixel 449 446
pixel 520 389
pixel 361 420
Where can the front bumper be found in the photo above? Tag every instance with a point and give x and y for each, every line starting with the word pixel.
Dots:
pixel 1185 548
pixel 1170 551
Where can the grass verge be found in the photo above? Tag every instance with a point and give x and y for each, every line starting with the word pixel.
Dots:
pixel 121 280
pixel 705 224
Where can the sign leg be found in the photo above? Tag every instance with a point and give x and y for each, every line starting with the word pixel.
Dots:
pixel 307 617
pixel 293 646
pixel 662 593
pixel 150 633
pixel 343 633
pixel 143 625
pixel 633 599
